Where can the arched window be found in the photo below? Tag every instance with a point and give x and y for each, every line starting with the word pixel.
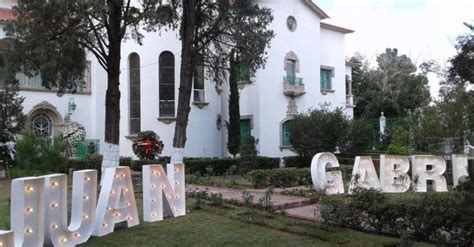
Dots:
pixel 166 77
pixel 199 95
pixel 134 77
pixel 285 133
pixel 42 126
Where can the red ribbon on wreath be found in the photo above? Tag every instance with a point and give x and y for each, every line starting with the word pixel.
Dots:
pixel 149 145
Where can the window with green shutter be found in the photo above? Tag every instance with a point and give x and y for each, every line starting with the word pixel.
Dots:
pixel 326 77
pixel 243 73
pixel 285 135
pixel 245 130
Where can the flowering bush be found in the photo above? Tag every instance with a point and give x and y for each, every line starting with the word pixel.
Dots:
pixel 71 133
pixel 148 145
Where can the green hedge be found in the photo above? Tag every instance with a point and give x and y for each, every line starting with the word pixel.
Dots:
pixel 94 162
pixel 437 217
pixel 205 166
pixel 283 177
pixel 299 161
pixel 288 177
pixel 266 163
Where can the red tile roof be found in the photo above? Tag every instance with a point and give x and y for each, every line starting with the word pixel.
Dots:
pixel 6 14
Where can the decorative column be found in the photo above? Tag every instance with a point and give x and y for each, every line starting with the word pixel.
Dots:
pixel 292 108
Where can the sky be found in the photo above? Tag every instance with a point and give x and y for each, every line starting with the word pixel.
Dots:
pixel 422 29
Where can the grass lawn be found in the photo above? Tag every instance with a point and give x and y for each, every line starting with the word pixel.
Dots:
pixel 228 226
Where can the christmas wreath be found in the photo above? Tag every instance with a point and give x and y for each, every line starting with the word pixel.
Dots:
pixel 147 146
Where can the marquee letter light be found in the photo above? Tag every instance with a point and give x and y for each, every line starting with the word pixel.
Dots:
pixel 116 201
pixel 421 174
pixel 27 211
pixel 364 174
pixel 84 198
pixel 328 182
pixel 459 168
pixel 394 173
pixel 157 183
pixel 6 238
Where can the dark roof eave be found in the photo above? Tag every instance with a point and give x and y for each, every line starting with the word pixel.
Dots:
pixel 322 15
pixel 336 28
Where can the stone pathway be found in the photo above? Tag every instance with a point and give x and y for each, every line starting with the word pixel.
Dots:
pixel 310 212
pixel 295 207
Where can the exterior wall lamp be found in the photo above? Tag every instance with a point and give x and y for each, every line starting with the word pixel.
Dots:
pixel 71 106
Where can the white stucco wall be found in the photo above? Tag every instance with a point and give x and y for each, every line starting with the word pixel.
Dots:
pixel 304 43
pixel 333 55
pixel 263 100
pixel 204 140
pixel 7 3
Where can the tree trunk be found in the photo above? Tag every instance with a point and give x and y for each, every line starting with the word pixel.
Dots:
pixel 188 25
pixel 112 100
pixel 111 149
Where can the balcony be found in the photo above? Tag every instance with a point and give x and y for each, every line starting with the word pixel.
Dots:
pixel 293 86
pixel 350 101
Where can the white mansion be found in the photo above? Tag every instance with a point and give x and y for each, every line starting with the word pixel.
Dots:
pixel 306 67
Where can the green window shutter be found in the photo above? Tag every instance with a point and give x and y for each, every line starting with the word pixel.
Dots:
pixel 329 84
pixel 81 149
pixel 244 74
pixel 245 131
pixel 323 79
pixel 326 76
pixel 286 128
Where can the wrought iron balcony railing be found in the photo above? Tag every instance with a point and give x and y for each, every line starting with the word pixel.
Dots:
pixel 293 86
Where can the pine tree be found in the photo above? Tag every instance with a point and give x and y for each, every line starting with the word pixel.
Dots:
pixel 233 126
pixel 11 110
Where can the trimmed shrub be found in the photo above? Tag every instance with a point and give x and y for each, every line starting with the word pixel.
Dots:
pixel 136 165
pixel 125 161
pixel 209 166
pixel 266 163
pixel 205 166
pixel 283 177
pixel 297 161
pixel 94 162
pixel 437 217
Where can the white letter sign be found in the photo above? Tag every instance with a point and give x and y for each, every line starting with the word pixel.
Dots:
pixel 394 173
pixel 84 197
pixel 328 182
pixel 459 168
pixel 156 183
pixel 6 238
pixel 27 211
pixel 116 201
pixel 422 174
pixel 364 174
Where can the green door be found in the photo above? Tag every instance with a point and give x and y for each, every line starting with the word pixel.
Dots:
pixel 286 128
pixel 245 130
